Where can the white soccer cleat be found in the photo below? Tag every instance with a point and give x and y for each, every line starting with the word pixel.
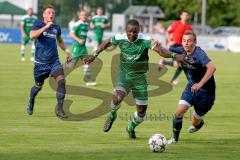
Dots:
pixel 32 59
pixel 91 83
pixel 172 141
pixel 23 59
pixel 192 129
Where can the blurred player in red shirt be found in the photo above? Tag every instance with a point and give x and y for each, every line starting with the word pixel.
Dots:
pixel 174 35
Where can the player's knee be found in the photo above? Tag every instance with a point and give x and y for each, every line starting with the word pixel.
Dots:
pixel 117 100
pixel 141 112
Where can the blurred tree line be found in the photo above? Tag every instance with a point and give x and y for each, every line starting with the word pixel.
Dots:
pixel 219 12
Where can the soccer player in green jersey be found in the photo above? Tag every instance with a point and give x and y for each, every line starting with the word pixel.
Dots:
pixel 26 25
pixel 79 49
pixel 99 23
pixel 131 76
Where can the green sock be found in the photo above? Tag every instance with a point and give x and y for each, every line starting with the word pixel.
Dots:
pixel 113 115
pixel 136 120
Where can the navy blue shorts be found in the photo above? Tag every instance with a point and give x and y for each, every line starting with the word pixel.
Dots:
pixel 43 71
pixel 201 100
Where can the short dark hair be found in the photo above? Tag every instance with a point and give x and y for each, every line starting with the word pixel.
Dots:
pixel 133 22
pixel 190 32
pixel 48 6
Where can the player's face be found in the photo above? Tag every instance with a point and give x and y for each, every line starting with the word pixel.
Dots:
pixel 30 12
pixel 132 32
pixel 188 43
pixel 99 11
pixel 49 15
pixel 184 16
pixel 83 16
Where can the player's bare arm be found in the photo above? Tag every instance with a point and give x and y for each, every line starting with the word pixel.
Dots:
pixel 102 47
pixel 73 35
pixel 64 48
pixel 209 73
pixel 37 33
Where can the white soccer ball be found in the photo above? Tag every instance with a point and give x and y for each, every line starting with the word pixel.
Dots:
pixel 157 143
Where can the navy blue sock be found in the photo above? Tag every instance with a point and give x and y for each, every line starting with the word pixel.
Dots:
pixel 177 126
pixel 61 91
pixel 33 93
pixel 177 73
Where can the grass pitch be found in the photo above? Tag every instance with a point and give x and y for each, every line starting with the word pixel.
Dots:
pixel 43 136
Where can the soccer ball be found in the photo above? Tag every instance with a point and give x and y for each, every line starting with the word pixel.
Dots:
pixel 157 143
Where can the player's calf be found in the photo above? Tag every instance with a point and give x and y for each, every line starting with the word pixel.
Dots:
pixel 33 93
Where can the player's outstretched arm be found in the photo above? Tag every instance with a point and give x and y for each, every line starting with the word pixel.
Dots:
pixel 37 33
pixel 102 47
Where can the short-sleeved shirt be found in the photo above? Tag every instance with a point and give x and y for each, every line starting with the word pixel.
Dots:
pixel 97 22
pixel 28 22
pixel 80 29
pixel 177 29
pixel 46 43
pixel 134 55
pixel 196 72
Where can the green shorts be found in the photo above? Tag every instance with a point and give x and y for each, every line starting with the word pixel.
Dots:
pixel 79 51
pixel 26 40
pixel 98 37
pixel 136 83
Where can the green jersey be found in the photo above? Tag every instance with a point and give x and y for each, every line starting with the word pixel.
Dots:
pixel 134 55
pixel 97 22
pixel 80 29
pixel 28 22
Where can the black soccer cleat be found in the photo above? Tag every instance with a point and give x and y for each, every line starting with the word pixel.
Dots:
pixel 60 113
pixel 108 124
pixel 131 134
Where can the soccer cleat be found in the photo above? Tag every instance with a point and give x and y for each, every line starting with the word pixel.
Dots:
pixel 131 134
pixel 161 65
pixel 60 113
pixel 193 129
pixel 108 124
pixel 23 59
pixel 172 141
pixel 30 111
pixel 30 108
pixel 91 83
pixel 32 59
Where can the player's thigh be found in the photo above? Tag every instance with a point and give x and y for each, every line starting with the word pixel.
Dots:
pixel 41 72
pixel 57 70
pixel 25 40
pixel 204 102
pixel 140 90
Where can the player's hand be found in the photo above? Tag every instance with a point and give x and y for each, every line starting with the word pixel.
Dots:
pixel 89 59
pixel 185 60
pixel 69 57
pixel 48 25
pixel 155 42
pixel 23 35
pixel 103 25
pixel 80 41
pixel 196 87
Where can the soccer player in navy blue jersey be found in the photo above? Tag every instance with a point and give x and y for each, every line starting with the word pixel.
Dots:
pixel 200 90
pixel 47 35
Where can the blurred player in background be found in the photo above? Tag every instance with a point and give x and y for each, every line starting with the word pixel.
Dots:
pixel 99 23
pixel 47 34
pixel 72 22
pixel 25 27
pixel 131 75
pixel 79 49
pixel 200 90
pixel 174 35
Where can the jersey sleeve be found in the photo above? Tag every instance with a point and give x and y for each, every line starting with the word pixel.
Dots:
pixel 203 58
pixel 114 40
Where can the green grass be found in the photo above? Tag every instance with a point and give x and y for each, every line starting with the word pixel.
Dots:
pixel 44 136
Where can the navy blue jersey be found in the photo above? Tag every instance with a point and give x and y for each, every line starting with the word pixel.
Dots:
pixel 46 43
pixel 197 70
